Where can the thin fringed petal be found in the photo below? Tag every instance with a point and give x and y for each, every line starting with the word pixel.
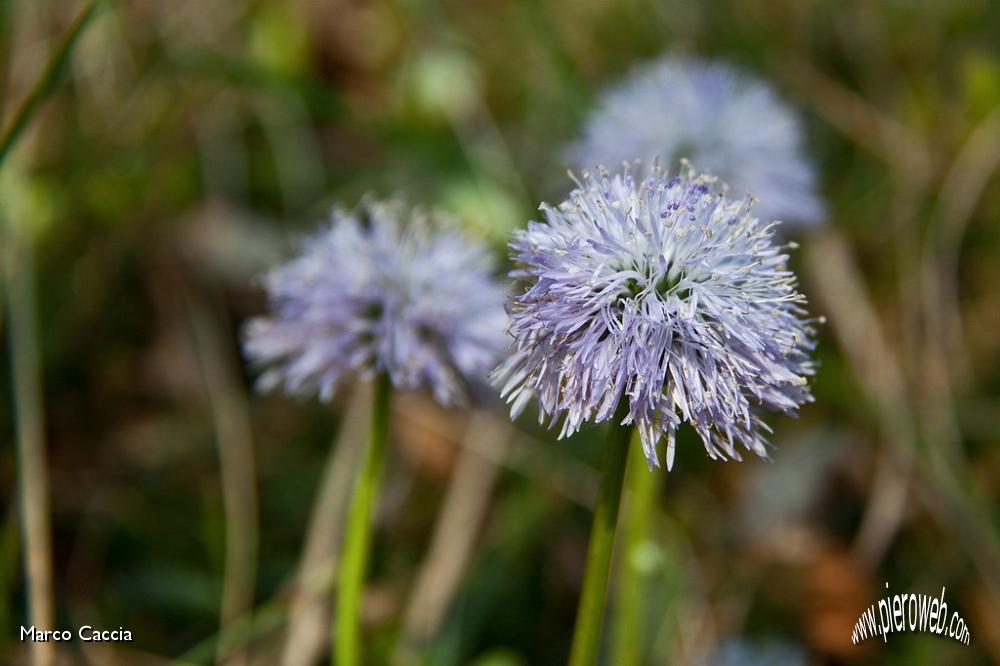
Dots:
pixel 381 289
pixel 663 292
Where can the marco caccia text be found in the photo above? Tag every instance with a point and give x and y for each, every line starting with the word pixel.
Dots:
pixel 86 633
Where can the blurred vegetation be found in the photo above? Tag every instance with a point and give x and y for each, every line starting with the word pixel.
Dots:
pixel 190 143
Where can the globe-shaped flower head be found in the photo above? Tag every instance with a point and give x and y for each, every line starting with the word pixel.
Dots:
pixel 664 293
pixel 381 289
pixel 720 119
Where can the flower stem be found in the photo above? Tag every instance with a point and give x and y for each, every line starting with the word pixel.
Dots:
pixel 347 627
pixel 589 618
pixel 643 493
pixel 32 466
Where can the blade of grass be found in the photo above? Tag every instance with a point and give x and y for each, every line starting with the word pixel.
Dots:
pixel 237 469
pixel 32 467
pixel 47 82
pixel 25 365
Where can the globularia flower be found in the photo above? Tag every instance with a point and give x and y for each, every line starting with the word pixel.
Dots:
pixel 720 119
pixel 664 293
pixel 381 289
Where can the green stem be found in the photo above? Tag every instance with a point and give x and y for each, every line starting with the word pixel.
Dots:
pixel 32 465
pixel 347 627
pixel 643 493
pixel 589 618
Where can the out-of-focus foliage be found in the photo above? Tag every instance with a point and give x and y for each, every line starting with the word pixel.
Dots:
pixel 193 141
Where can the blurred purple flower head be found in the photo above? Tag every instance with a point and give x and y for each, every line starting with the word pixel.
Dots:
pixel 381 289
pixel 664 293
pixel 720 119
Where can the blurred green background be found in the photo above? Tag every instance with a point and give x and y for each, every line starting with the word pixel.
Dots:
pixel 189 143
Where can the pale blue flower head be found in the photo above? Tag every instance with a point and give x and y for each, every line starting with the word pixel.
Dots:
pixel 662 292
pixel 719 118
pixel 381 289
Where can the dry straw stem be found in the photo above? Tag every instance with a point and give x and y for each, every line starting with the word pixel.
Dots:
pixel 842 291
pixel 887 500
pixel 452 544
pixel 231 417
pixel 304 610
pixel 886 507
pixel 307 631
pixel 32 463
pixel 25 364
pixel 523 454
pixel 857 119
pixel 838 282
pixel 972 170
pixel 964 183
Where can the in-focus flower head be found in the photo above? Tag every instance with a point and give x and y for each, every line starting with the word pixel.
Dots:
pixel 719 118
pixel 381 289
pixel 664 293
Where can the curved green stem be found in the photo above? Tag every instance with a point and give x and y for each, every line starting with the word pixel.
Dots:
pixel 589 618
pixel 347 627
pixel 643 492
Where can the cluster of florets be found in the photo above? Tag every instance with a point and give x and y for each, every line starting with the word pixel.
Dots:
pixel 662 292
pixel 381 289
pixel 721 119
